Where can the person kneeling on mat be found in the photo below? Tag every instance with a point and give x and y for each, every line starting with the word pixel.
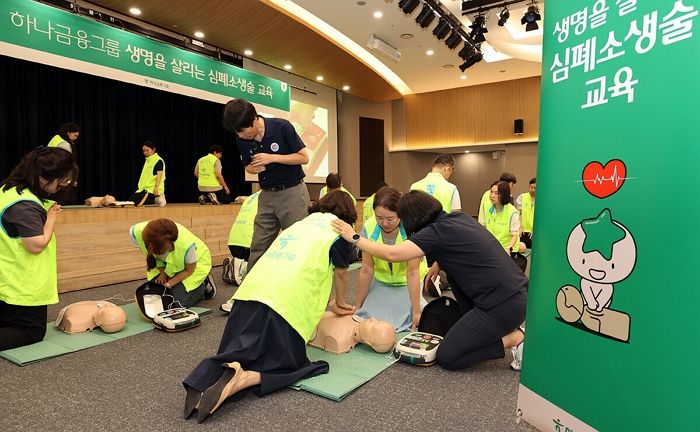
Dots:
pixel 490 289
pixel 264 342
pixel 176 259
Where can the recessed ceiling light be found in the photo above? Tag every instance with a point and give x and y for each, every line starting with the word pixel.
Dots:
pixel 466 151
pixel 199 34
pixel 319 78
pixel 135 11
pixel 346 87
pixel 288 66
pixel 378 14
pixel 462 77
pixel 248 52
pixel 361 3
pixel 429 52
pixel 448 66
pixel 407 36
pixel 502 71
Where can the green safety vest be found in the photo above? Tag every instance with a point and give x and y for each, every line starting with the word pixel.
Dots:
pixel 485 205
pixel 26 279
pixel 527 212
pixel 175 261
pixel 242 229
pixel 207 174
pixel 435 184
pixel 55 141
pixel 324 191
pixel 300 259
pixel 498 224
pixel 396 274
pixel 368 209
pixel 147 181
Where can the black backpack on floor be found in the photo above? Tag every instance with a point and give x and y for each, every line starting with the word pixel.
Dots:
pixel 439 316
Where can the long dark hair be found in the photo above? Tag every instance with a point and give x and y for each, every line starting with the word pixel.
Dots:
pixel 417 209
pixel 157 235
pixel 339 203
pixel 504 193
pixel 50 163
pixel 65 128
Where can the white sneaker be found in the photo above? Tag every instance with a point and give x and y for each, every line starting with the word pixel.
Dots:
pixel 517 353
pixel 160 200
pixel 212 197
pixel 226 307
pixel 239 267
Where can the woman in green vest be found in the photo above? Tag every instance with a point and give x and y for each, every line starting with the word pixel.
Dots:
pixel 65 139
pixel 503 221
pixel 151 187
pixel 272 318
pixel 176 259
pixel 382 285
pixel 28 245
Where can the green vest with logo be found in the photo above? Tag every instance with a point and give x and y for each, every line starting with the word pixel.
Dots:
pixel 147 181
pixel 300 257
pixel 26 279
pixel 527 212
pixel 396 274
pixel 242 229
pixel 435 184
pixel 175 261
pixel 55 141
pixel 207 174
pixel 324 191
pixel 498 224
pixel 368 209
pixel 484 205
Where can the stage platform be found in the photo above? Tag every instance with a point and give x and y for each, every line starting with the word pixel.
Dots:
pixel 94 247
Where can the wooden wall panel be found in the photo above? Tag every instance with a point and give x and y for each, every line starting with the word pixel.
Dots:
pixel 477 115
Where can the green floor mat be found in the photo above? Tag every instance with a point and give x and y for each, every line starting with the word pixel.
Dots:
pixel 347 371
pixel 57 343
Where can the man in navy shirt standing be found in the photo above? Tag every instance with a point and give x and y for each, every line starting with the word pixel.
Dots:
pixel 270 148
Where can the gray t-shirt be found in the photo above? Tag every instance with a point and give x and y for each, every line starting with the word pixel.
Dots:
pixel 24 219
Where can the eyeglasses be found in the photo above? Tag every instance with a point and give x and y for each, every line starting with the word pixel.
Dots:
pixel 65 182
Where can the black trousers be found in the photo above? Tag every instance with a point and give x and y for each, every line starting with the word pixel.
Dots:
pixel 142 198
pixel 221 195
pixel 178 296
pixel 239 252
pixel 21 325
pixel 476 337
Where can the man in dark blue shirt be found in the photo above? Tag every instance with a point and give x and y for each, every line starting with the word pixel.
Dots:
pixel 270 148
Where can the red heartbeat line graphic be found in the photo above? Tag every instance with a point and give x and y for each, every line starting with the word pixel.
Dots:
pixel 604 181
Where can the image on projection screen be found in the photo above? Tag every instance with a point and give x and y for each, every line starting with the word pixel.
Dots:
pixel 311 123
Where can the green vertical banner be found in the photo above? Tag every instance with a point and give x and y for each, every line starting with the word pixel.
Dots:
pixel 612 309
pixel 36 32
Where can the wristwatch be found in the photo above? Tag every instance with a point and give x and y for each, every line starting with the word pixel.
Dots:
pixel 355 238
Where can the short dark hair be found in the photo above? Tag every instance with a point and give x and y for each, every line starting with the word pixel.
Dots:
pixel 150 144
pixel 532 180
pixel 417 209
pixel 504 193
pixel 65 128
pixel 508 177
pixel 156 235
pixel 495 183
pixel 337 202
pixel 216 148
pixel 334 181
pixel 380 184
pixel 387 197
pixel 445 159
pixel 238 114
pixel 51 163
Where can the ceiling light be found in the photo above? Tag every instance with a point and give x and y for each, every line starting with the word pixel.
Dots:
pixel 406 36
pixel 408 6
pixel 471 61
pixel 135 11
pixel 378 14
pixel 346 87
pixel 442 29
pixel 288 67
pixel 248 52
pixel 478 29
pixel 448 66
pixel 462 77
pixel 198 34
pixel 426 16
pixel 429 52
pixel 465 52
pixel 319 78
pixel 503 17
pixel 466 151
pixel 453 39
pixel 531 17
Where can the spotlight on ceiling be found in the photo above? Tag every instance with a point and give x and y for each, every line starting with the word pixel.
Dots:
pixel 531 17
pixel 408 6
pixel 478 29
pixel 426 16
pixel 441 30
pixel 453 39
pixel 465 52
pixel 471 61
pixel 503 17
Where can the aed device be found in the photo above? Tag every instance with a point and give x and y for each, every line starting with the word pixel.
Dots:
pixel 418 348
pixel 177 319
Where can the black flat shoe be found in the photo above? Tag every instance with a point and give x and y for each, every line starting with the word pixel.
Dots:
pixel 215 395
pixel 191 402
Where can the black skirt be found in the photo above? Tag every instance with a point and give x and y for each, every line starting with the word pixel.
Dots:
pixel 260 340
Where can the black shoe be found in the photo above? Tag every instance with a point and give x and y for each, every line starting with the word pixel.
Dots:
pixel 227 273
pixel 209 288
pixel 202 199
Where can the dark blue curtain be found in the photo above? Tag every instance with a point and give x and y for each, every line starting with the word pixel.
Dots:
pixel 114 118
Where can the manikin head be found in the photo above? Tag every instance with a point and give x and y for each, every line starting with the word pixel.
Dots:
pixel 110 319
pixel 378 335
pixel 86 315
